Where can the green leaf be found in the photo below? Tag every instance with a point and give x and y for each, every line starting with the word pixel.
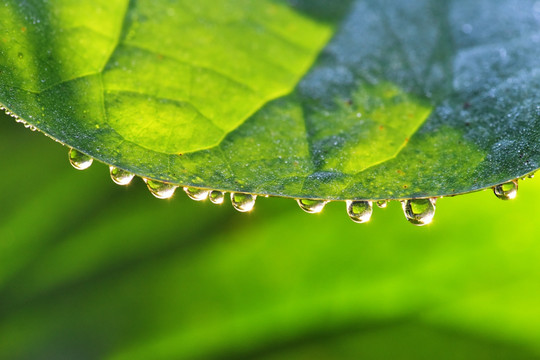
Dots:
pixel 306 99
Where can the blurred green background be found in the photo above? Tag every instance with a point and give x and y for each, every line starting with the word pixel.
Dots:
pixel 92 270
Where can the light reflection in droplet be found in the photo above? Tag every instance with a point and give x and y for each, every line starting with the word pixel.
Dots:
pixel 196 194
pixel 216 197
pixel 419 212
pixel 159 189
pixel 382 204
pixel 506 191
pixel 119 176
pixel 243 202
pixel 79 160
pixel 359 211
pixel 311 206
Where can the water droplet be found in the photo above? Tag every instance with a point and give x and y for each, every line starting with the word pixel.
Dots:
pixel 506 191
pixel 243 202
pixel 419 212
pixel 196 194
pixel 217 197
pixel 30 127
pixel 119 176
pixel 311 206
pixel 360 211
pixel 159 189
pixel 382 204
pixel 79 160
pixel 21 55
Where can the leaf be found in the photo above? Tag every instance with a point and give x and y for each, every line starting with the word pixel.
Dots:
pixel 88 271
pixel 407 99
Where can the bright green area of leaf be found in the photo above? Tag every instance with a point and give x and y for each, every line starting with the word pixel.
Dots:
pixel 89 270
pixel 169 77
pixel 406 99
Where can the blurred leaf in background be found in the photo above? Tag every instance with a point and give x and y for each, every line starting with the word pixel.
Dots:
pixel 91 270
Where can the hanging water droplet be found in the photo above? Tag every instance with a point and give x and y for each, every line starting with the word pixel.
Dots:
pixel 119 176
pixel 28 126
pixel 419 212
pixel 311 206
pixel 196 194
pixel 217 197
pixel 360 211
pixel 79 160
pixel 159 189
pixel 382 204
pixel 506 191
pixel 243 202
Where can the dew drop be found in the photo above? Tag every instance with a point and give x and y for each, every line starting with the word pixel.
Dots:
pixel 419 212
pixel 20 55
pixel 360 211
pixel 196 194
pixel 79 160
pixel 243 202
pixel 119 176
pixel 382 204
pixel 159 189
pixel 506 191
pixel 311 206
pixel 216 197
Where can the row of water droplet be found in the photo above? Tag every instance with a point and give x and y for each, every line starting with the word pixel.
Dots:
pixel 242 202
pixel 419 212
pixel 18 119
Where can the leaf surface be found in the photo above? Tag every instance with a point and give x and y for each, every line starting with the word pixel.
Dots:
pixel 361 100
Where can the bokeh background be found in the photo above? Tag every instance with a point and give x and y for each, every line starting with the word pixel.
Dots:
pixel 92 270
